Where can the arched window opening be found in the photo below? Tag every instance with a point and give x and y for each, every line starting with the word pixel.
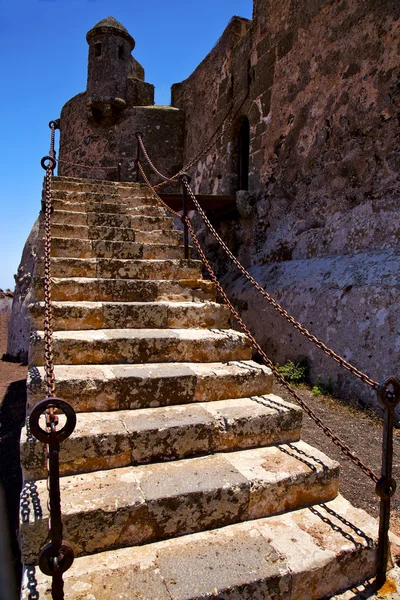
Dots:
pixel 120 52
pixel 243 154
pixel 97 49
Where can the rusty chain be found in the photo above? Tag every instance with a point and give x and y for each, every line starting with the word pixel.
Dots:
pixel 327 430
pixel 57 556
pixel 155 195
pixel 48 163
pixel 303 330
pixel 223 125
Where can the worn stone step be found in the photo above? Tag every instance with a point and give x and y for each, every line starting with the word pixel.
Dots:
pixel 61 217
pixel 151 223
pixel 120 507
pixel 112 315
pixel 70 204
pixel 84 232
pixel 81 248
pixel 90 219
pixel 93 289
pixel 153 211
pixel 91 189
pixel 112 268
pixel 121 438
pixel 102 346
pixel 127 387
pixel 306 554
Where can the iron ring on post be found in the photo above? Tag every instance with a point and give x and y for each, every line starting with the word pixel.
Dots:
pixel 52 163
pixel 184 177
pixel 385 488
pixel 64 555
pixel 139 134
pixel 387 398
pixel 53 436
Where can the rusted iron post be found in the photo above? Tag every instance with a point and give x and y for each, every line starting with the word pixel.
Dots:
pixel 119 171
pixel 185 179
pixel 389 397
pixel 57 556
pixel 138 134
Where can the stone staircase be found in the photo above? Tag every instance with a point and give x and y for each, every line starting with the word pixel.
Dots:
pixel 185 477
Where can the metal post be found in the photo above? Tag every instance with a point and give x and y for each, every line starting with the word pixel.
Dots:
pixel 185 179
pixel 389 397
pixel 138 134
pixel 119 171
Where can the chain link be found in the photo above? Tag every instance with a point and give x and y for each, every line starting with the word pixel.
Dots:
pixel 155 195
pixel 223 125
pixel 327 430
pixel 303 330
pixel 48 314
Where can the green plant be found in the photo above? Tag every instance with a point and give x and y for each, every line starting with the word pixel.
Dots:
pixel 322 388
pixel 295 373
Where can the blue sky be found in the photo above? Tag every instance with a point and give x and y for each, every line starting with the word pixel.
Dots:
pixel 44 63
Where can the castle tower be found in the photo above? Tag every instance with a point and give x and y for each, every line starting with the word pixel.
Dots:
pixel 98 126
pixel 110 64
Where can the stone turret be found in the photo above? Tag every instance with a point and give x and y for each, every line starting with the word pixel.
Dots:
pixel 98 126
pixel 110 47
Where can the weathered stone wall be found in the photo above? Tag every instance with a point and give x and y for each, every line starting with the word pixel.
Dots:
pixel 20 320
pixel 101 148
pixel 323 83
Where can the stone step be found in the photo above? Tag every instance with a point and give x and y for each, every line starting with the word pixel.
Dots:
pixel 90 189
pixel 93 289
pixel 115 346
pixel 91 219
pixel 76 220
pixel 127 387
pixel 84 232
pixel 81 248
pixel 306 554
pixel 153 211
pixel 111 509
pixel 149 315
pixel 111 268
pixel 116 234
pixel 151 223
pixel 61 217
pixel 109 440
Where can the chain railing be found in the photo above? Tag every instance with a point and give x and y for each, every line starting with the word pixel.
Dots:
pixel 388 391
pixel 57 556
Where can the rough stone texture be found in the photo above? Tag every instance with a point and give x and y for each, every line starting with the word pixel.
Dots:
pixel 349 301
pixel 20 324
pixel 322 106
pixel 123 387
pixel 267 558
pixel 115 439
pixel 133 505
pixel 111 346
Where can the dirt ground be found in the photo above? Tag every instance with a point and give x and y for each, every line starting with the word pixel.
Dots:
pixel 359 429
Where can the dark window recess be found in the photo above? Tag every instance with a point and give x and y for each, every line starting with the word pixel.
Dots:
pixel 97 49
pixel 120 52
pixel 243 154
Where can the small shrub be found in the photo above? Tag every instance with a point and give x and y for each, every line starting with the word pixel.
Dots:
pixel 322 388
pixel 295 373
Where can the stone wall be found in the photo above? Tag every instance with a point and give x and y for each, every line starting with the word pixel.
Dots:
pixel 323 85
pixel 99 149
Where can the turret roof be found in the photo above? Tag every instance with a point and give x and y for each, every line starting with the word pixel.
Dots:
pixel 111 25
